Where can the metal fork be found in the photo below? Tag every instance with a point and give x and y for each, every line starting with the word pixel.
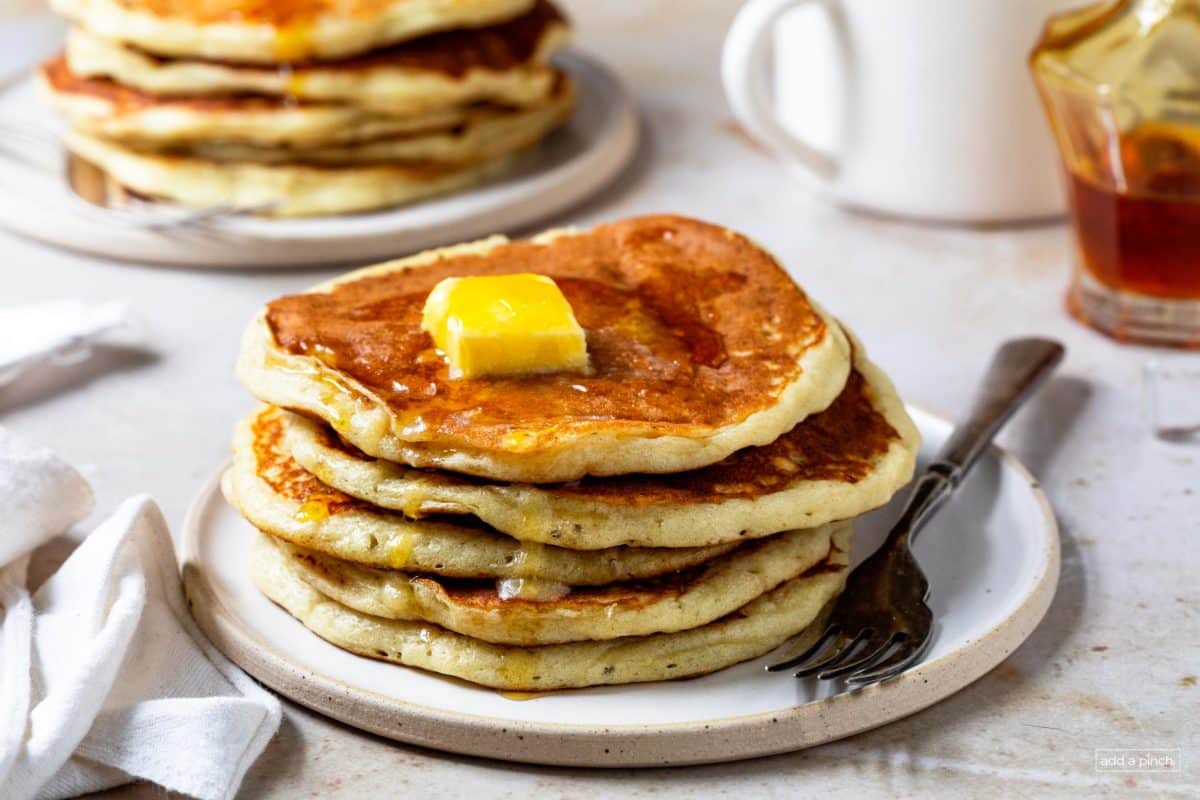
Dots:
pixel 881 624
pixel 39 147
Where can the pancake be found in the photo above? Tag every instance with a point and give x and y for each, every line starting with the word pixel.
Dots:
pixel 749 632
pixel 282 190
pixel 505 63
pixel 484 135
pixel 842 462
pixel 700 345
pixel 279 31
pixel 275 495
pixel 100 107
pixel 485 610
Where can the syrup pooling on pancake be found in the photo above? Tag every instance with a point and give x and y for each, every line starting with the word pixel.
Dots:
pixel 690 328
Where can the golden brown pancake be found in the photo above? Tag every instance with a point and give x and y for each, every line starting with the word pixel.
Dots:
pixel 842 443
pixel 834 465
pixel 279 190
pixel 674 317
pixel 57 74
pixel 275 495
pixel 507 64
pixel 752 630
pixel 496 47
pixel 506 612
pixel 279 31
pixel 105 108
pixel 121 99
pixel 692 330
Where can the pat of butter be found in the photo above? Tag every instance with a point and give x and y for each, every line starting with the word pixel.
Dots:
pixel 504 325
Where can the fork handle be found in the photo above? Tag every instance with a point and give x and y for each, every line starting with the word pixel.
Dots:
pixel 1018 368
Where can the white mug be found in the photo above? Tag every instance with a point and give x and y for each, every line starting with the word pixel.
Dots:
pixel 920 108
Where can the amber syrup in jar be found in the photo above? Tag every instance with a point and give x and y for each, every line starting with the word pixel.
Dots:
pixel 1123 102
pixel 1143 237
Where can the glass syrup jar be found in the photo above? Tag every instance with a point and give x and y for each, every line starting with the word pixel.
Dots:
pixel 1120 84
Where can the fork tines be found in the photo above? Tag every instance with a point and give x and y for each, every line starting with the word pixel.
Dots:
pixel 864 658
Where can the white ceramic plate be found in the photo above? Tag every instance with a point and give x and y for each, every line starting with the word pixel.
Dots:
pixel 991 556
pixel 570 166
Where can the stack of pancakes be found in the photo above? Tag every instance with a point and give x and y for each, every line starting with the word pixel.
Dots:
pixel 683 506
pixel 318 107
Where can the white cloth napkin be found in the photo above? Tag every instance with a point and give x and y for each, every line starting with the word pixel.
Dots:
pixel 104 677
pixel 60 331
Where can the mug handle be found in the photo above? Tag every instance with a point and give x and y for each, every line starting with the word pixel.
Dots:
pixel 744 64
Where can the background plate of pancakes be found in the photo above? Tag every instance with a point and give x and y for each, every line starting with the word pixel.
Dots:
pixel 992 561
pixel 362 132
pixel 402 549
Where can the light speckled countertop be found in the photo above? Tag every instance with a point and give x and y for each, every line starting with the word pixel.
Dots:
pixel 1114 663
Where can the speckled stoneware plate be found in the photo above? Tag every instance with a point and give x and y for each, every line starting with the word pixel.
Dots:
pixel 571 165
pixel 991 556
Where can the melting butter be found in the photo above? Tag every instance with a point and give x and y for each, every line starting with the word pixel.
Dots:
pixel 488 325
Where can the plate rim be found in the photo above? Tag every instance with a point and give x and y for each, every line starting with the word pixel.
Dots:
pixel 715 740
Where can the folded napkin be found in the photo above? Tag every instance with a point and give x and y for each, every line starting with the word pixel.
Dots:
pixel 104 677
pixel 60 331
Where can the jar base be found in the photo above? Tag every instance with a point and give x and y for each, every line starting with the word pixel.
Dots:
pixel 1135 318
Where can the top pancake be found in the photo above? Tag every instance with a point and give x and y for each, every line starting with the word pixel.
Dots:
pixel 278 31
pixel 700 344
pixel 504 63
